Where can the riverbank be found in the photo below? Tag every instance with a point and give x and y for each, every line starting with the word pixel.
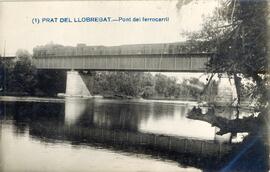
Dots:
pixel 149 98
pixel 63 99
pixel 31 99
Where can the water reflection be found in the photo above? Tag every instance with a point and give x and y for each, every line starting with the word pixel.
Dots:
pixel 74 108
pixel 154 117
pixel 116 116
pixel 23 154
pixel 135 116
pixel 47 121
pixel 74 119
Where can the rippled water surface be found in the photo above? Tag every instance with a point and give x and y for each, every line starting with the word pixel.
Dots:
pixel 26 146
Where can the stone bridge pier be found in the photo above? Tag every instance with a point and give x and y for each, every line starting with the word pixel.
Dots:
pixel 78 85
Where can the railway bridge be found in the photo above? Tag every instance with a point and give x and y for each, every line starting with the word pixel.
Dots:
pixel 171 57
pixel 140 57
pixel 192 62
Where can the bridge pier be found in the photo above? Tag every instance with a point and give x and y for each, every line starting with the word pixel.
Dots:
pixel 75 85
pixel 226 96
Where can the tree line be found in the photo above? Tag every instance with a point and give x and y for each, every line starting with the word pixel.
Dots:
pixel 147 85
pixel 18 77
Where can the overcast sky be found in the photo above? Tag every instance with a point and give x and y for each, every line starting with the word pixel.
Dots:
pixel 18 32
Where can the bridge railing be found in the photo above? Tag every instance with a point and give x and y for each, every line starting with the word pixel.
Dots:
pixel 136 62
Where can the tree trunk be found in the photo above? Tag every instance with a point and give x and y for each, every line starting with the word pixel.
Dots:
pixel 247 124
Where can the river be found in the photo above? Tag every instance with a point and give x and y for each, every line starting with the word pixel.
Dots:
pixel 23 147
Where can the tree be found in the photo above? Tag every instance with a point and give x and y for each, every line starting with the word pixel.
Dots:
pixel 119 83
pixel 50 82
pixel 22 79
pixel 161 83
pixel 6 74
pixel 237 33
pixel 148 85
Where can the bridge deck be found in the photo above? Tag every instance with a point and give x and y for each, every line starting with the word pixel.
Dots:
pixel 137 62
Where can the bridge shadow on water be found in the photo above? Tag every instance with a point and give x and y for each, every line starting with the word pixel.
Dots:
pixel 52 123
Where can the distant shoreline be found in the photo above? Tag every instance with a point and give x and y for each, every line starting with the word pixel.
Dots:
pixel 30 99
pixel 62 99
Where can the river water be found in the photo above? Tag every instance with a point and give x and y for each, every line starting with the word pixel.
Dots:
pixel 25 147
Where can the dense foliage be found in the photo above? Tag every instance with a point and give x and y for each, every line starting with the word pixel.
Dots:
pixel 19 77
pixel 237 34
pixel 146 85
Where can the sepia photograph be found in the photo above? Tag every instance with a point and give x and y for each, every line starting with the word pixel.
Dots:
pixel 134 86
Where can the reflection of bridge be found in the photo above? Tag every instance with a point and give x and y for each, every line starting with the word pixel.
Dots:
pixel 78 122
pixel 84 123
pixel 114 138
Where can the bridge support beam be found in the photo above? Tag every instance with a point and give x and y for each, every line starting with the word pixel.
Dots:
pixel 75 85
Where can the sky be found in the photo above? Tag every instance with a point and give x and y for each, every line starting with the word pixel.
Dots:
pixel 18 32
